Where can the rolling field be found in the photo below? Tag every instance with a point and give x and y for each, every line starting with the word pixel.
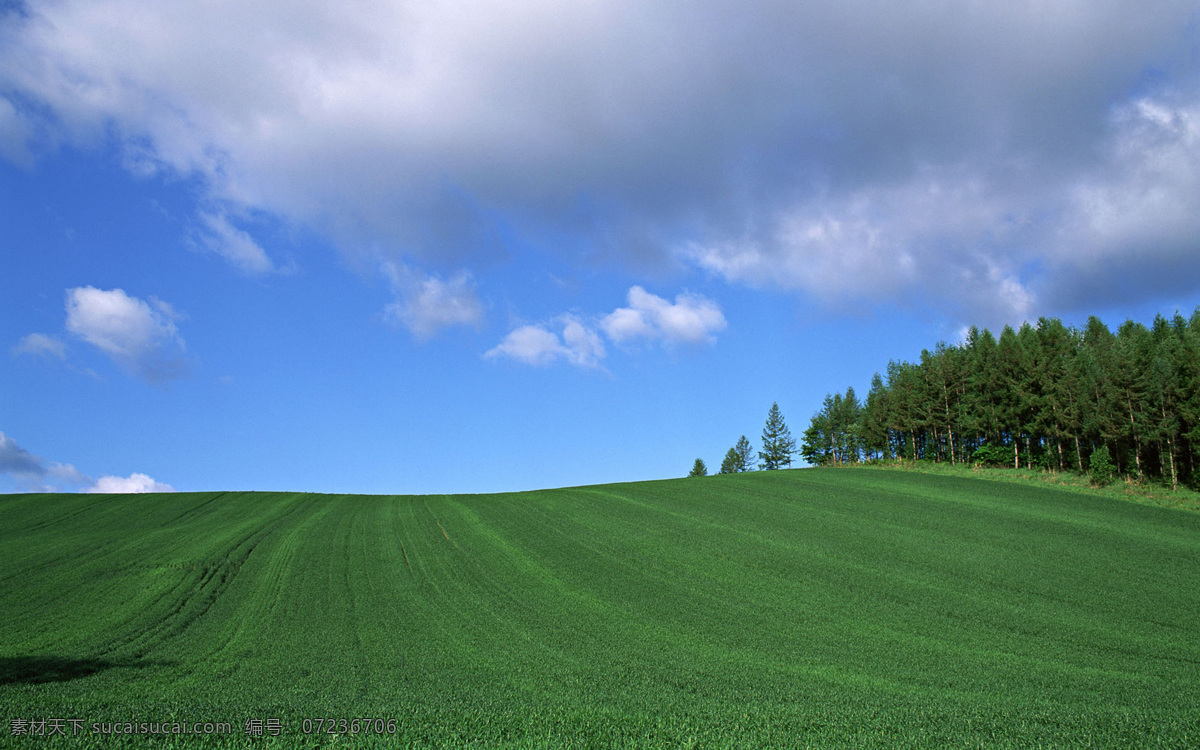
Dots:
pixel 823 608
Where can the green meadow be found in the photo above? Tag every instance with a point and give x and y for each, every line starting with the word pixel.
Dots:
pixel 821 607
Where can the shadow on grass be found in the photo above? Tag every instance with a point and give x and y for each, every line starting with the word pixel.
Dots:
pixel 32 670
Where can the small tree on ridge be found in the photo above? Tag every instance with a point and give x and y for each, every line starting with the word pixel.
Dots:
pixel 777 440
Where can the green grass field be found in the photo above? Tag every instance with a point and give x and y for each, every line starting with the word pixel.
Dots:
pixel 825 608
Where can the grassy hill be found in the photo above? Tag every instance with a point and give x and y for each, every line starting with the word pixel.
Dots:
pixel 845 607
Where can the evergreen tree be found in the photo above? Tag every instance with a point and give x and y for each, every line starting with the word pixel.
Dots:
pixel 872 422
pixel 729 463
pixel 1011 379
pixel 903 386
pixel 1129 376
pixel 1099 409
pixel 981 402
pixel 778 444
pixel 847 448
pixel 745 455
pixel 699 469
pixel 1100 467
pixel 737 459
pixel 816 447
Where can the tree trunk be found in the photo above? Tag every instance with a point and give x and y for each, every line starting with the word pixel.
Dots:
pixel 1016 453
pixel 949 427
pixel 1171 455
pixel 1078 454
pixel 1137 444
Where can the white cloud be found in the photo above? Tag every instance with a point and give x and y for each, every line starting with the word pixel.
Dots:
pixel 427 305
pixel 691 319
pixel 235 245
pixel 438 304
pixel 531 344
pixel 139 336
pixel 41 345
pixel 583 346
pixel 536 345
pixel 131 484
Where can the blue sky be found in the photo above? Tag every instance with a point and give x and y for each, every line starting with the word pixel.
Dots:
pixel 394 248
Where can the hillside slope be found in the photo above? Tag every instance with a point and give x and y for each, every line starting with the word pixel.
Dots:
pixel 824 607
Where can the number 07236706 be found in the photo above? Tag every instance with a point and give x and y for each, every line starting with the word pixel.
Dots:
pixel 328 725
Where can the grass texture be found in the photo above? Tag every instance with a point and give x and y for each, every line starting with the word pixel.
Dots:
pixel 822 608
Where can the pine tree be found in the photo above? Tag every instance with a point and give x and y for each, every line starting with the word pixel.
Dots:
pixel 778 444
pixel 737 459
pixel 729 463
pixel 872 421
pixel 699 469
pixel 745 458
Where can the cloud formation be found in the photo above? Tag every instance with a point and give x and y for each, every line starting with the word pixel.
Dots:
pixel 41 345
pixel 134 483
pixel 234 245
pixel 138 335
pixel 691 319
pixel 426 305
pixel 537 345
pixel 972 157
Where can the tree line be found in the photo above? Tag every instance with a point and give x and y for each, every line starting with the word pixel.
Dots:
pixel 1045 396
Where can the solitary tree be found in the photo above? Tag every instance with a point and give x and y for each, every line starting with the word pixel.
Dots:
pixel 778 444
pixel 699 469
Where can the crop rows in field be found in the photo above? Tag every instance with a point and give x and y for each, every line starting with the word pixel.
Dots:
pixel 822 607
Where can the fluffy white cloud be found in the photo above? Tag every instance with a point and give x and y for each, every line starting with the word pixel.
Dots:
pixel 830 158
pixel 428 304
pixel 536 345
pixel 691 319
pixel 649 318
pixel 41 345
pixel 139 336
pixel 131 484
